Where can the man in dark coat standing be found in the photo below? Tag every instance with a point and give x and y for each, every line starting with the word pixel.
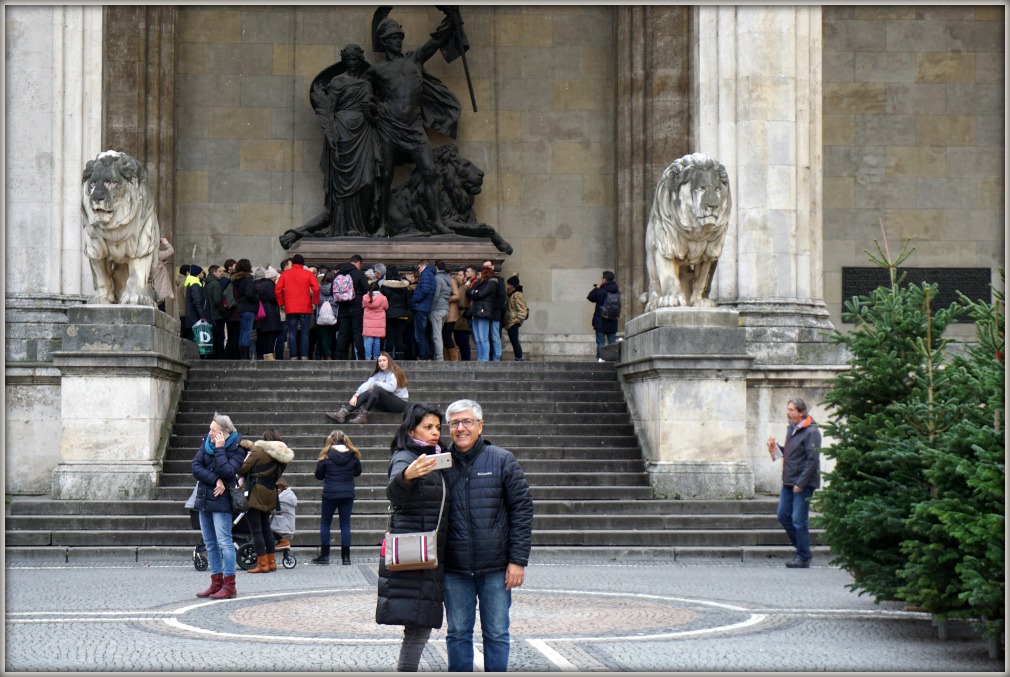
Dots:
pixel 490 535
pixel 421 302
pixel 350 314
pixel 801 474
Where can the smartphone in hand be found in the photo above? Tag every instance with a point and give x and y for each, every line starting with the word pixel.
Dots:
pixel 442 461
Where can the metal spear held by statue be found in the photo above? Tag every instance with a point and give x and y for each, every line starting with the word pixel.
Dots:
pixel 457 29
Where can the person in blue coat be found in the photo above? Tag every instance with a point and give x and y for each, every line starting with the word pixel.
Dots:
pixel 339 462
pixel 420 302
pixel 490 536
pixel 215 467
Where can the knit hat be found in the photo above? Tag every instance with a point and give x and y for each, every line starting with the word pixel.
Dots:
pixel 299 259
pixel 195 270
pixel 514 281
pixel 271 274
pixel 259 274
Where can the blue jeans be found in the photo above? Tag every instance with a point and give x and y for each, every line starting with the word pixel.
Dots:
pixel 216 530
pixel 600 336
pixel 495 335
pixel 245 328
pixel 421 334
pixel 793 514
pixel 298 334
pixel 480 327
pixel 330 505
pixel 373 346
pixel 462 593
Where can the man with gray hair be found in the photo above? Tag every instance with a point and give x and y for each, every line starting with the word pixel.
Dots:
pixel 801 467
pixel 490 535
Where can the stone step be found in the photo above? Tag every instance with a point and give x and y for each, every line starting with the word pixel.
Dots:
pixel 369 437
pixel 380 453
pixel 41 506
pixel 547 409
pixel 604 464
pixel 552 537
pixel 639 492
pixel 412 368
pixel 566 478
pixel 195 425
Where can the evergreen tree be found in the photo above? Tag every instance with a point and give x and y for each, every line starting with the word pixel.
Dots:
pixel 878 477
pixel 955 556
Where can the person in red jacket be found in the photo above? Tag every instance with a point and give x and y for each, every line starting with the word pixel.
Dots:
pixel 298 295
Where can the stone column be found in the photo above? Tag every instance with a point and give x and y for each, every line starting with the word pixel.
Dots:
pixel 53 126
pixel 122 375
pixel 758 109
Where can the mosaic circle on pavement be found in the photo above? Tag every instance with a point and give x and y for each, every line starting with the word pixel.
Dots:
pixel 349 615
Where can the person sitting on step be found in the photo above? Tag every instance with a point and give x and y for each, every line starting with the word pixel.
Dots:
pixel 385 390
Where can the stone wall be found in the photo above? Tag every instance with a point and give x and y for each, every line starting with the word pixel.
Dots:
pixel 914 123
pixel 248 143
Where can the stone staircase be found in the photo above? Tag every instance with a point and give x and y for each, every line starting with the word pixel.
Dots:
pixel 566 422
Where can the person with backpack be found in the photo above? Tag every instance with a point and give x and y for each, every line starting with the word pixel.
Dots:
pixel 349 287
pixel 607 297
pixel 515 314
pixel 326 316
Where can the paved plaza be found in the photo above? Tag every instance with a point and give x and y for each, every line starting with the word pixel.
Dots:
pixel 578 615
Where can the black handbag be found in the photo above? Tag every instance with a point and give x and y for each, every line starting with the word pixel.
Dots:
pixel 482 309
pixel 239 502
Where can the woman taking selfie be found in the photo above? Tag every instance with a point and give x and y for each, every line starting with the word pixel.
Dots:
pixel 416 494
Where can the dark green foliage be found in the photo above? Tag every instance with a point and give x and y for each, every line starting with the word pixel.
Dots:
pixel 955 553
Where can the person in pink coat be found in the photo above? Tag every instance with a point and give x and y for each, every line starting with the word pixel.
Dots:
pixel 373 326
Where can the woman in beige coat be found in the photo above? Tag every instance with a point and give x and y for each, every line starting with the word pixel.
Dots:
pixel 263 466
pixel 163 288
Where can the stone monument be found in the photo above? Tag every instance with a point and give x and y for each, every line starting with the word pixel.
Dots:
pixel 684 362
pixel 121 359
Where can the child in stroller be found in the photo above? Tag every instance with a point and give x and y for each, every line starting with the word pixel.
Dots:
pixel 245 551
pixel 283 523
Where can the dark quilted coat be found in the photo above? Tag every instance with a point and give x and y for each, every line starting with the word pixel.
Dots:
pixel 413 598
pixel 207 469
pixel 491 524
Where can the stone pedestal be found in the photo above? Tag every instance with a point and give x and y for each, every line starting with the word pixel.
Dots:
pixel 122 370
pixel 684 374
pixel 401 251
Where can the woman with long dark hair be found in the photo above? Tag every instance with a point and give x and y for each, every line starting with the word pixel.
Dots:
pixel 418 502
pixel 338 463
pixel 385 390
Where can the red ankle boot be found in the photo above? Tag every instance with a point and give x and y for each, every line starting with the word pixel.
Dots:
pixel 216 581
pixel 227 590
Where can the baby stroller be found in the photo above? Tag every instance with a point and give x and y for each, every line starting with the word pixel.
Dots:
pixel 245 551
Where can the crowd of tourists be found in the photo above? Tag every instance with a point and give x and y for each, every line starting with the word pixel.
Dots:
pixel 351 312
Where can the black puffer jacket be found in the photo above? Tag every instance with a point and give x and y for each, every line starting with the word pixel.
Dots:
pixel 491 524
pixel 413 598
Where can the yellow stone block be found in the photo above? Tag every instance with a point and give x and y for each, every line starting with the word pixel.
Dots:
pixel 534 30
pixel 915 162
pixel 884 13
pixel 210 25
pixel 548 253
pixel 991 193
pixel 192 187
pixel 258 218
pixel 283 60
pixel 489 125
pixel 990 13
pixel 505 189
pixel 242 123
pixel 194 58
pixel 581 94
pixel 945 130
pixel 311 59
pixel 266 155
pixel 581 158
pixel 598 190
pixel 916 224
pixel 839 192
pixel 867 98
pixel 939 67
pixel 838 130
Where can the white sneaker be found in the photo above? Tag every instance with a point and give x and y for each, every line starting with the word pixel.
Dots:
pixel 599 359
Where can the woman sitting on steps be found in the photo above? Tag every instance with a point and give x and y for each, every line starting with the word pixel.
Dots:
pixel 385 390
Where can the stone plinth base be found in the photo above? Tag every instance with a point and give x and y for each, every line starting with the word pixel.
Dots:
pixel 455 250
pixel 701 479
pixel 122 370
pixel 684 374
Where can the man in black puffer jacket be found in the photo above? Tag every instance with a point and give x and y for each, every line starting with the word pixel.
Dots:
pixel 490 535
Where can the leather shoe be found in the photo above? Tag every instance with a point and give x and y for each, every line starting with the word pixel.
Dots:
pixel 338 416
pixel 797 563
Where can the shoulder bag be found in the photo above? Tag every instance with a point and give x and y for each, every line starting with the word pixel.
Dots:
pixel 239 502
pixel 413 551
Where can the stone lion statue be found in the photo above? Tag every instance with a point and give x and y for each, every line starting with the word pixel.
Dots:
pixel 458 182
pixel 121 232
pixel 686 231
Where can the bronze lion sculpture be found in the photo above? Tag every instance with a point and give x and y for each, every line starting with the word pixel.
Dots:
pixel 685 233
pixel 121 232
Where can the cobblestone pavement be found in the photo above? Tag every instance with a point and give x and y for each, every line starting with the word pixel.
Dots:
pixel 577 615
